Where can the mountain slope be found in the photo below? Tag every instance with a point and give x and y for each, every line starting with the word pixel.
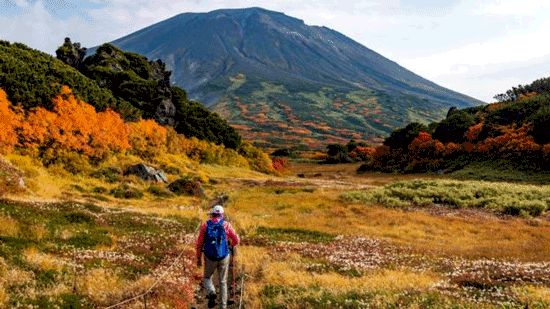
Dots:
pixel 268 73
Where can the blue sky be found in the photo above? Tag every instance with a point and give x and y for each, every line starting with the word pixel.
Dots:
pixel 479 48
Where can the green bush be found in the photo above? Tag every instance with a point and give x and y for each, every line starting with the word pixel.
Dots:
pixel 159 191
pixel 146 84
pixel 186 186
pixel 79 217
pixel 100 190
pixel 124 191
pixel 71 161
pixel 109 174
pixel 453 128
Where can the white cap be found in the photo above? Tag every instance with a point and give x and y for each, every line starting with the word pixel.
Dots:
pixel 218 209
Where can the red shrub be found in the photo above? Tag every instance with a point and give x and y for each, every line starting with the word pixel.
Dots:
pixel 280 164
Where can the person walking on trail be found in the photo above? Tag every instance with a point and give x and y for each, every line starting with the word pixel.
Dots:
pixel 215 237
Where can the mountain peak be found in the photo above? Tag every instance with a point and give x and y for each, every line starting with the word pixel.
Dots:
pixel 231 59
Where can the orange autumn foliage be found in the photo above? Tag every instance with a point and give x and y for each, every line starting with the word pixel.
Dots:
pixel 74 125
pixel 111 134
pixel 147 137
pixel 473 132
pixel 425 152
pixel 513 142
pixel 9 122
pixel 73 132
pixel 451 149
pixel 365 152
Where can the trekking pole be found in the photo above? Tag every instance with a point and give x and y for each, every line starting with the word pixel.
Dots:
pixel 242 287
pixel 233 285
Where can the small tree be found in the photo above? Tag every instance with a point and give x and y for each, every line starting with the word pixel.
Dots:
pixel 453 128
pixel 401 138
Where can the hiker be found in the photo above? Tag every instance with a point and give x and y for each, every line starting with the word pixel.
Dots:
pixel 215 237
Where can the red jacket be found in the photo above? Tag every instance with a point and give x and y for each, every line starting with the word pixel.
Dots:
pixel 229 231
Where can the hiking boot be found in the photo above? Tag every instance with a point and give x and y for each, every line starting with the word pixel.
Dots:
pixel 211 300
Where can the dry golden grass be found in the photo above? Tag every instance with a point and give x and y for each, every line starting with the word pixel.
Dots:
pixel 348 172
pixel 290 271
pixel 290 274
pixel 456 234
pixel 219 171
pixel 8 226
pixel 106 287
pixel 37 231
pixel 534 294
pixel 101 285
pixel 42 261
pixel 472 236
pixel 4 296
pixel 14 277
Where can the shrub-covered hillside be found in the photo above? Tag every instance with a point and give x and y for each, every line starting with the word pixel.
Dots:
pixel 514 131
pixel 32 78
pixel 125 82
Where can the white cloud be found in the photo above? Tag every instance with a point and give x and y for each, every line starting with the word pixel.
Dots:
pixel 511 7
pixel 22 3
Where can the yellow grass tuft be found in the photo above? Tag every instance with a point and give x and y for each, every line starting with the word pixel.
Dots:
pixel 534 294
pixel 219 171
pixel 287 273
pixel 38 231
pixel 8 226
pixel 42 260
pixel 4 296
pixel 101 285
pixel 17 277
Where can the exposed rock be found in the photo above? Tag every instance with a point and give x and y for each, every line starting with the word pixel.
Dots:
pixel 21 183
pixel 71 53
pixel 11 178
pixel 146 172
pixel 166 113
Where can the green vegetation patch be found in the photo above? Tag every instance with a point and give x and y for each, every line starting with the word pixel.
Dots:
pixel 503 198
pixel 125 191
pixel 293 235
pixel 501 170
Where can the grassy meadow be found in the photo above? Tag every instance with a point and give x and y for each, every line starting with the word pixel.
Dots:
pixel 328 239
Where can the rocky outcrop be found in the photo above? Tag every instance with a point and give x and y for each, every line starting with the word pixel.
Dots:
pixel 71 53
pixel 146 172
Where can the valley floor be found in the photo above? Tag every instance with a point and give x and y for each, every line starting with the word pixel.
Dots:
pixel 305 245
